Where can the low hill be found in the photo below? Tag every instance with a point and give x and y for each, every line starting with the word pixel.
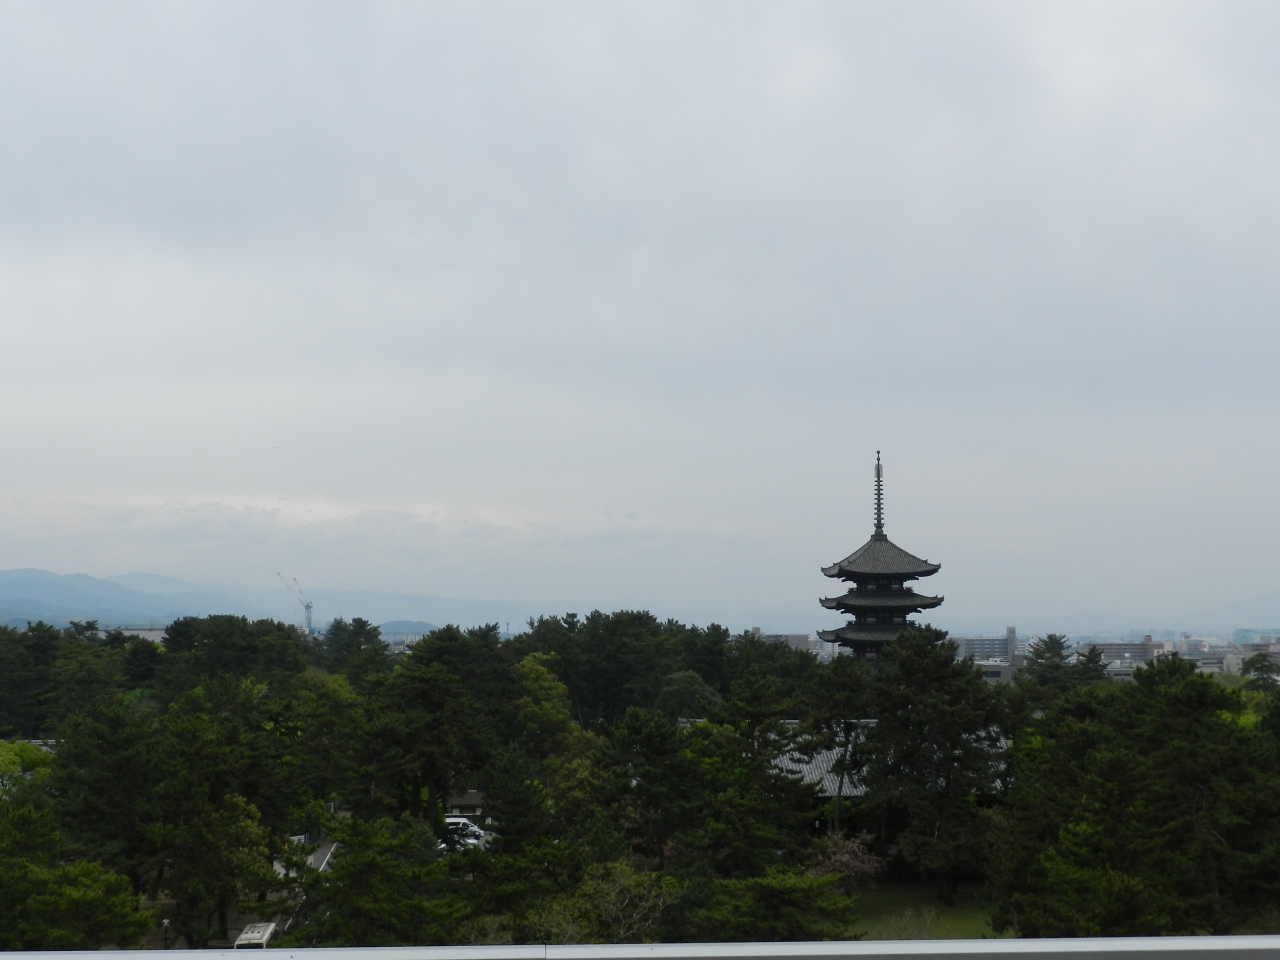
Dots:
pixel 30 595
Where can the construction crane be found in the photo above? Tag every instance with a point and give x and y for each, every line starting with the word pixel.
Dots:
pixel 296 587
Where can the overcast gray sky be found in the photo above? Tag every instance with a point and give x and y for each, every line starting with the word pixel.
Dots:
pixel 614 303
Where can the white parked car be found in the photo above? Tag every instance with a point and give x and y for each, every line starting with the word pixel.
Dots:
pixel 464 833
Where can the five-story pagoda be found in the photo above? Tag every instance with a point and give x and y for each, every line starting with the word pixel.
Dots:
pixel 879 599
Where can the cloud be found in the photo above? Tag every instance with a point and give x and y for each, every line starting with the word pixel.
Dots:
pixel 618 302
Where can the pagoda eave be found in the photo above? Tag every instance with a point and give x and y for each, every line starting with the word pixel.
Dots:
pixel 862 638
pixel 882 603
pixel 836 571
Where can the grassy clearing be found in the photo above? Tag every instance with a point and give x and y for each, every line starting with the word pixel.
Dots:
pixel 912 912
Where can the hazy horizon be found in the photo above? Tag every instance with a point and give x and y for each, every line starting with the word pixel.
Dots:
pixel 138 600
pixel 614 304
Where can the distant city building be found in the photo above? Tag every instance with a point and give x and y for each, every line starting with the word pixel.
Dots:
pixel 826 652
pixel 1138 652
pixel 797 641
pixel 1122 669
pixel 983 648
pixel 990 648
pixel 1122 658
pixel 1245 636
pixel 879 600
pixel 1271 650
pixel 1249 649
pixel 1217 663
pixel 997 671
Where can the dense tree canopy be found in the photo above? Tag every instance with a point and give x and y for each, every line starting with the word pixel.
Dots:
pixel 641 781
pixel 1140 808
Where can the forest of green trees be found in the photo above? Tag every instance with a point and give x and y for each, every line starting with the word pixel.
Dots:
pixel 640 779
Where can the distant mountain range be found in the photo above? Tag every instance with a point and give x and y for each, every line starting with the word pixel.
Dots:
pixel 58 598
pixel 140 600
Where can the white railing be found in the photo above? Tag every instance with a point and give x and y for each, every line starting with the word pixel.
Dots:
pixel 1100 948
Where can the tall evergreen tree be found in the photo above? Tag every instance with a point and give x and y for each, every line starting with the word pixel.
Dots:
pixel 933 756
pixel 1050 671
pixel 52 901
pixel 1139 809
pixel 26 679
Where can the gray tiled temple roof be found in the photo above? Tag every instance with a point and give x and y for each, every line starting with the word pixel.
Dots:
pixel 880 556
pixel 817 771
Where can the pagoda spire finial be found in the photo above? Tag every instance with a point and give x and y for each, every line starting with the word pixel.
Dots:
pixel 879 497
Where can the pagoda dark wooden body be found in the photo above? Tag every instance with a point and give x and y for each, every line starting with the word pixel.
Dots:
pixel 879 598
